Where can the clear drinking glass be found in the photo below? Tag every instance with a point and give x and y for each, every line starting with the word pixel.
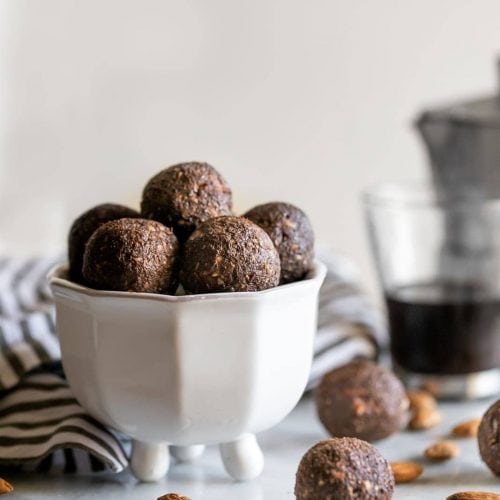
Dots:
pixel 438 259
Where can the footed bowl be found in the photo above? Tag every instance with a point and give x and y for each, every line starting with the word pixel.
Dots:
pixel 186 371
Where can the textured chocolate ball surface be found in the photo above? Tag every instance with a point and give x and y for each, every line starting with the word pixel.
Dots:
pixel 83 228
pixel 229 254
pixel 184 195
pixel 489 438
pixel 291 232
pixel 344 469
pixel 132 255
pixel 362 399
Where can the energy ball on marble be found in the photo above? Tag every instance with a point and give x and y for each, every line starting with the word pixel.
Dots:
pixel 184 195
pixel 344 469
pixel 292 234
pixel 229 254
pixel 362 399
pixel 82 230
pixel 173 496
pixel 489 438
pixel 132 255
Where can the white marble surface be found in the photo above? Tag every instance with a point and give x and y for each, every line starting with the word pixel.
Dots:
pixel 283 447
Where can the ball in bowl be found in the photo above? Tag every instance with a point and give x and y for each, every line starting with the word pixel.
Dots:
pixel 291 232
pixel 185 195
pixel 84 226
pixel 132 255
pixel 229 254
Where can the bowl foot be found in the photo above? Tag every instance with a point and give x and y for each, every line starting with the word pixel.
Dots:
pixel 187 453
pixel 149 461
pixel 243 458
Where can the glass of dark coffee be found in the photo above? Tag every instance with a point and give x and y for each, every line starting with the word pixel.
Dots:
pixel 438 259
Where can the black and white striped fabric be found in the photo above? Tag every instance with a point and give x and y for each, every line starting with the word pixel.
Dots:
pixel 349 326
pixel 43 427
pixel 27 333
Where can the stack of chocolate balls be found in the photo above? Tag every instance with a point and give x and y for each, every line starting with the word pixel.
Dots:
pixel 357 403
pixel 186 233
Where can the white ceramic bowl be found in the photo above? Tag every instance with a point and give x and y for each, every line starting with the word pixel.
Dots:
pixel 188 370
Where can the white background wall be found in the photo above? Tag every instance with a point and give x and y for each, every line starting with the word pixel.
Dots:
pixel 305 101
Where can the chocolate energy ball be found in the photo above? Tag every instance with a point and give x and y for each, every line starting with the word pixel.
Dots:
pixel 489 438
pixel 292 234
pixel 344 469
pixel 82 230
pixel 173 496
pixel 229 254
pixel 132 255
pixel 184 195
pixel 363 400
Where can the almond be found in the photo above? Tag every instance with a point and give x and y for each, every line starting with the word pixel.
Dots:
pixel 474 495
pixel 425 419
pixel 5 487
pixel 442 450
pixel 405 472
pixel 467 429
pixel 420 399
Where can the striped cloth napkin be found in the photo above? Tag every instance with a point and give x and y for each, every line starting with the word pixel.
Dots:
pixel 42 425
pixel 349 326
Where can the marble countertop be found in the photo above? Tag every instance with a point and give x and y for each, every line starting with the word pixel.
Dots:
pixel 283 447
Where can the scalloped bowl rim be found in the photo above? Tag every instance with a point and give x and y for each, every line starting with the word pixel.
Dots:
pixel 55 276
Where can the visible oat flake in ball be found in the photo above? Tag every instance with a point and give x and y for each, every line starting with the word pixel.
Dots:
pixel 344 469
pixel 229 254
pixel 133 255
pixel 291 232
pixel 185 195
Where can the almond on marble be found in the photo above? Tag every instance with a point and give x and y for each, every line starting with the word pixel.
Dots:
pixel 442 450
pixel 467 429
pixel 474 495
pixel 406 472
